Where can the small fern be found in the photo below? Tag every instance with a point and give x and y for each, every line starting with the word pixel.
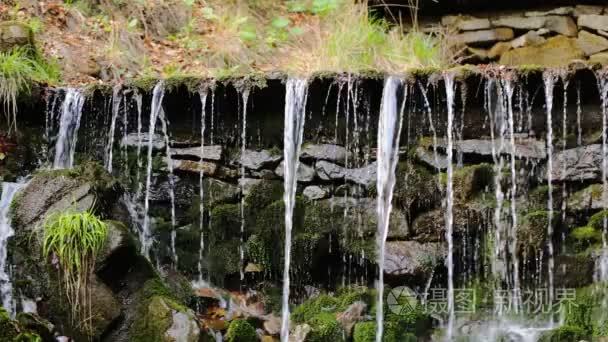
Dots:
pixel 75 239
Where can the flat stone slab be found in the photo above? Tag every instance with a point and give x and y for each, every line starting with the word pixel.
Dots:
pixel 364 176
pixel 484 36
pixel 134 139
pixel 581 163
pixel 256 160
pixel 594 21
pixel 466 23
pixel 591 43
pixel 304 173
pixel 208 153
pixel 524 148
pixel 557 51
pixel 412 257
pixel 330 152
pixel 560 24
pixel 316 192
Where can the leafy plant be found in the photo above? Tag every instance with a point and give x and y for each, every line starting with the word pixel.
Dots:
pixel 75 239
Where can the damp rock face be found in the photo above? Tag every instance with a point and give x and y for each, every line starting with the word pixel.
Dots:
pixel 14 34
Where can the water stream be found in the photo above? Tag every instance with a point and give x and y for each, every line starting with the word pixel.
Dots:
pixel 6 231
pixel 449 199
pixel 69 123
pixel 295 114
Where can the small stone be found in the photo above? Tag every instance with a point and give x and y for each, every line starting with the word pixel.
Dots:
pixel 305 173
pixel 562 25
pixel 247 184
pixel 209 152
pixel 591 43
pixel 363 176
pixel 315 192
pixel 482 54
pixel 484 36
pixel 556 11
pixel 590 198
pixel 256 160
pixel 587 9
pixel 272 325
pixel 329 171
pixel 330 152
pixel 599 58
pixel 555 52
pixel 594 21
pixel 498 49
pixel 134 139
pixel 264 174
pixel 466 23
pixel 208 168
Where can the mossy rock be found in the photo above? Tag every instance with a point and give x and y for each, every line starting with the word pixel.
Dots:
pixel 28 337
pixel 241 331
pixel 430 226
pixel 597 220
pixel 366 332
pixel 15 34
pixel 416 189
pixel 532 233
pixel 263 194
pixel 32 322
pixel 304 312
pixel 468 181
pixel 566 333
pixel 8 328
pixel 225 223
pixel 224 259
pixel 573 270
pixel 584 237
pixel 325 328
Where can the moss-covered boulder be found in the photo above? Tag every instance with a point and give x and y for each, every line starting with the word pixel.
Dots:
pixel 556 51
pixel 416 189
pixel 15 331
pixel 589 198
pixel 573 270
pixel 532 233
pixel 581 238
pixel 325 327
pixel 241 331
pixel 430 226
pixel 8 328
pixel 470 180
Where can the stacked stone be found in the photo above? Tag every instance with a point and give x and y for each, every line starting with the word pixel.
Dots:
pixel 555 37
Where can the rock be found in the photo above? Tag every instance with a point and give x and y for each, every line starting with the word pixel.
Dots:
pixel 437 161
pixel 530 38
pixel 590 198
pixel 556 11
pixel 256 160
pixel 594 21
pixel 556 51
pixel 247 184
pixel 300 332
pixel 272 325
pixel 264 174
pixel 209 152
pixel 524 148
pixel 351 316
pixel 412 258
pixel 334 153
pixel 36 324
pixel 349 190
pixel 104 305
pixel 599 58
pixel 14 34
pixel 208 168
pixel 133 140
pixel 216 191
pixel 118 238
pixel 484 36
pixel 315 192
pixel 184 327
pixel 591 43
pixel 559 24
pixel 365 176
pixel 587 9
pixel 430 226
pixel 578 164
pixel 162 319
pixel 416 190
pixel 465 23
pixel 305 173
pixel 573 271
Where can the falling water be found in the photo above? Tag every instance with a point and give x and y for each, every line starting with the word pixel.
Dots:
pixel 71 111
pixel 295 113
pixel 138 101
pixel 245 96
pixel 602 268
pixel 549 80
pixel 203 96
pixel 449 89
pixel 6 231
pixel 164 126
pixel 389 131
pixel 157 101
pixel 116 100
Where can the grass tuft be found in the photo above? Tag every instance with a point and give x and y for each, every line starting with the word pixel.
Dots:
pixel 75 239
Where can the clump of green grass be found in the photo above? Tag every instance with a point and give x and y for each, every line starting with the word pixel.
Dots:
pixel 19 69
pixel 75 239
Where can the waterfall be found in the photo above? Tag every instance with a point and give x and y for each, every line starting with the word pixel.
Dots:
pixel 295 113
pixel 117 97
pixel 549 80
pixel 138 101
pixel 165 129
pixel 245 97
pixel 203 97
pixel 6 231
pixel 602 267
pixel 157 101
pixel 389 132
pixel 71 111
pixel 449 89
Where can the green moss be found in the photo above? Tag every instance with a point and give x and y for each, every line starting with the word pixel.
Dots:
pixel 583 237
pixel 191 83
pixel 262 195
pixel 104 89
pixel 241 331
pixel 28 337
pixel 416 188
pixel 144 84
pixel 8 329
pixel 597 220
pixel 565 333
pixel 153 320
pixel 533 231
pixel 325 328
pixel 527 70
pixel 307 310
pixel 585 312
pixel 224 259
pixel 225 222
pixel 470 180
pixel 366 332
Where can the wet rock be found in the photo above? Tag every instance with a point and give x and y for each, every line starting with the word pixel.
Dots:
pixel 560 24
pixel 591 43
pixel 437 161
pixel 40 326
pixel 581 163
pixel 351 316
pixel 416 190
pixel 272 325
pixel 256 160
pixel 412 258
pixel 134 139
pixel 304 173
pixel 247 184
pixel 430 226
pixel 209 152
pixel 594 21
pixel 587 9
pixel 556 51
pixel 299 333
pixel 599 58
pixel 556 11
pixel 484 36
pixel 465 23
pixel 14 34
pixel 315 192
pixel 573 271
pixel 329 152
pixel 216 191
pixel 118 238
pixel 589 198
pixel 264 174
pixel 162 319
pixel 364 176
pixel 208 168
pixel 524 148
pixel 349 190
pixel 329 171
pixel 530 38
pixel 105 305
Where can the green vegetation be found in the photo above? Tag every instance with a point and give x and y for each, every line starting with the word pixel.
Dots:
pixel 565 333
pixel 584 237
pixel 366 332
pixel 75 239
pixel 241 331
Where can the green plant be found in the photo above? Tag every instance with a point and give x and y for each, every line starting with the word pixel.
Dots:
pixel 19 68
pixel 241 331
pixel 75 239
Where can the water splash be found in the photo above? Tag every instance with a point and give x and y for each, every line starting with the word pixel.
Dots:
pixel 71 112
pixel 295 113
pixel 203 97
pixel 157 100
pixel 6 231
pixel 389 132
pixel 549 80
pixel 449 89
